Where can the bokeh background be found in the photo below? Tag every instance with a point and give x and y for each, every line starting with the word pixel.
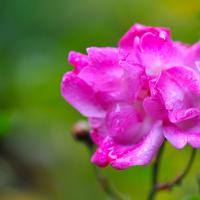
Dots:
pixel 39 160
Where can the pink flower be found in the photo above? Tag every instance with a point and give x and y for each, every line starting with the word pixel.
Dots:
pixel 135 95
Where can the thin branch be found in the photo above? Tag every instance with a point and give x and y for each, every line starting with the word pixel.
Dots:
pixel 170 184
pixel 104 182
pixel 155 173
pixel 80 132
pixel 178 180
pixel 106 186
pixel 198 181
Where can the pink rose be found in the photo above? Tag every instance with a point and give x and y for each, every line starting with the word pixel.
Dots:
pixel 136 95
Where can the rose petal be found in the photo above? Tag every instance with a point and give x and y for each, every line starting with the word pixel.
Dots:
pixel 156 51
pixel 155 108
pixel 124 156
pixel 171 93
pixel 186 77
pixel 104 57
pixel 137 30
pixel 125 125
pixel 143 153
pixel 80 95
pixel 99 131
pixel 192 55
pixel 176 116
pixel 184 133
pixel 175 86
pixel 78 60
pixel 128 45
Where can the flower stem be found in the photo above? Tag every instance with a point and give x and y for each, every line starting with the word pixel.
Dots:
pixel 104 182
pixel 80 132
pixel 106 186
pixel 170 184
pixel 155 172
pixel 178 180
pixel 198 181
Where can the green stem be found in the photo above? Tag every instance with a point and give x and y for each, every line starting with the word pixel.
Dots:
pixel 170 184
pixel 178 180
pixel 155 172
pixel 106 186
pixel 104 182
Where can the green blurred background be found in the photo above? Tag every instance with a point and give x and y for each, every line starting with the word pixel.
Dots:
pixel 39 160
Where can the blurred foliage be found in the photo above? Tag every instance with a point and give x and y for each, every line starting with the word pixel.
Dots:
pixel 38 157
pixel 193 198
pixel 5 123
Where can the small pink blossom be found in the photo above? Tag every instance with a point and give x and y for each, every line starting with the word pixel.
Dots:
pixel 135 95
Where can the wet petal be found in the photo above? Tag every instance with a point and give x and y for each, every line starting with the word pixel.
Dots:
pixel 137 30
pixel 124 124
pixel 80 95
pixel 78 60
pixel 176 86
pixel 192 56
pixel 155 108
pixel 184 133
pixel 124 156
pixel 103 57
pixel 156 51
